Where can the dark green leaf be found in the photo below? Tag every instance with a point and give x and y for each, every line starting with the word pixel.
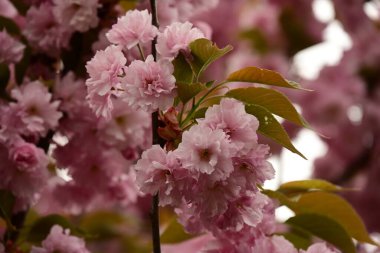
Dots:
pixel 299 238
pixel 41 227
pixel 324 228
pixel 272 100
pixel 263 76
pixel 7 201
pixel 187 91
pixel 200 113
pixel 205 52
pixel 183 72
pixel 9 25
pixel 271 128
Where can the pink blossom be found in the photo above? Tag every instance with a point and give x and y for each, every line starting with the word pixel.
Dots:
pixel 206 151
pixel 274 244
pixel 319 248
pixel 23 170
pixel 34 107
pixel 104 69
pixel 60 240
pixel 133 28
pixel 44 32
pixel 11 50
pixel 79 15
pixel 239 126
pixel 176 37
pixel 2 249
pixel 123 189
pixel 150 85
pixel 7 10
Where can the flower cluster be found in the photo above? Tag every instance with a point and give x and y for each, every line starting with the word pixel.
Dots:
pixel 211 178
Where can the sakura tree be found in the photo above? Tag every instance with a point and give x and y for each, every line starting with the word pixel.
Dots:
pixel 143 126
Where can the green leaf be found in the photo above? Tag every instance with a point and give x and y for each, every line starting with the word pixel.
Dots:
pixel 7 201
pixel 337 209
pixel 174 233
pixel 187 91
pixel 308 185
pixel 272 100
pixel 324 228
pixel 263 76
pixel 9 25
pixel 282 199
pixel 41 227
pixel 183 72
pixel 271 128
pixel 200 113
pixel 205 52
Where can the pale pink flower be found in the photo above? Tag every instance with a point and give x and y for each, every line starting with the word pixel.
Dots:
pixel 177 37
pixel 11 50
pixel 150 85
pixel 274 244
pixel 7 10
pixel 206 151
pixel 231 117
pixel 123 189
pixel 36 110
pixel 60 240
pixel 152 170
pixel 104 69
pixel 2 249
pixel 126 127
pixel 133 28
pixel 319 248
pixel 79 15
pixel 44 32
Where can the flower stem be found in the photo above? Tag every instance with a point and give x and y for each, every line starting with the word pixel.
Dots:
pixel 154 215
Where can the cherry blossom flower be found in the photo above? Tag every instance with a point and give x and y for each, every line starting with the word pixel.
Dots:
pixel 11 50
pixel 319 248
pixel 176 37
pixel 149 85
pixel 274 244
pixel 44 32
pixel 133 28
pixel 79 15
pixel 105 69
pixel 60 240
pixel 35 109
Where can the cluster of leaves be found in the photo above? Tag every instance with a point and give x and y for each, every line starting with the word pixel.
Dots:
pixel 263 103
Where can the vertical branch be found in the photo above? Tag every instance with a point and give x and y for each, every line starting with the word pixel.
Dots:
pixel 156 140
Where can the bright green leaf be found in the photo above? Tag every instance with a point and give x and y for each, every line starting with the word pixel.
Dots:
pixel 183 72
pixel 205 52
pixel 324 228
pixel 271 128
pixel 174 233
pixel 272 100
pixel 282 199
pixel 337 209
pixel 308 185
pixel 187 91
pixel 263 76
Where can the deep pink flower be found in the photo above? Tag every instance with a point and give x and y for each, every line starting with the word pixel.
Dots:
pixel 133 28
pixel 11 50
pixel 60 240
pixel 79 15
pixel 150 85
pixel 177 37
